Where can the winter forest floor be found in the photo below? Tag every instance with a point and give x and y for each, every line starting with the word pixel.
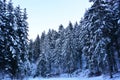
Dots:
pixel 76 78
pixel 80 77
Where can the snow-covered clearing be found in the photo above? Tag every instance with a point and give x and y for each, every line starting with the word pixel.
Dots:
pixel 79 76
pixel 76 78
pixel 103 77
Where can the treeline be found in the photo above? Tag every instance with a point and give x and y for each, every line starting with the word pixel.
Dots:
pixel 13 40
pixel 93 44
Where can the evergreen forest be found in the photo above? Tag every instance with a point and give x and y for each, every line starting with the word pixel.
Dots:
pixel 91 44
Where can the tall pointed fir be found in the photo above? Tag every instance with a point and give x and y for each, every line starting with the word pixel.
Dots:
pixel 115 6
pixel 22 40
pixel 77 46
pixel 48 49
pixel 58 51
pixel 37 50
pixel 41 63
pixel 10 44
pixel 68 49
pixel 2 34
pixel 12 37
pixel 98 46
pixel 8 48
pixel 54 37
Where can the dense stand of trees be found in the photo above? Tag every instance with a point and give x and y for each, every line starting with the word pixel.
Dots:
pixel 93 44
pixel 13 40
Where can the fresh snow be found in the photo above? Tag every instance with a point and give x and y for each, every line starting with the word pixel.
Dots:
pixel 75 78
pixel 79 77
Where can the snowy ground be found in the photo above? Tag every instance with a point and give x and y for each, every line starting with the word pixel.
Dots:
pixel 116 77
pixel 75 78
pixel 77 75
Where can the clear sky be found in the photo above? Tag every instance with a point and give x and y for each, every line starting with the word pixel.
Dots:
pixel 45 14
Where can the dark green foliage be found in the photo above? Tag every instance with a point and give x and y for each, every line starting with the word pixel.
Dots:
pixel 13 39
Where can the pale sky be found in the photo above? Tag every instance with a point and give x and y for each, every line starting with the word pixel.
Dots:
pixel 45 14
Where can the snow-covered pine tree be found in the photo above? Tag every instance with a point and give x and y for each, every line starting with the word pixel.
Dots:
pixel 50 46
pixel 54 37
pixel 68 49
pixel 100 30
pixel 12 38
pixel 2 38
pixel 41 64
pixel 22 39
pixel 8 46
pixel 58 51
pixel 36 48
pixel 115 7
pixel 34 55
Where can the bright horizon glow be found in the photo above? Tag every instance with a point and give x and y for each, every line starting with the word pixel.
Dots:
pixel 49 14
